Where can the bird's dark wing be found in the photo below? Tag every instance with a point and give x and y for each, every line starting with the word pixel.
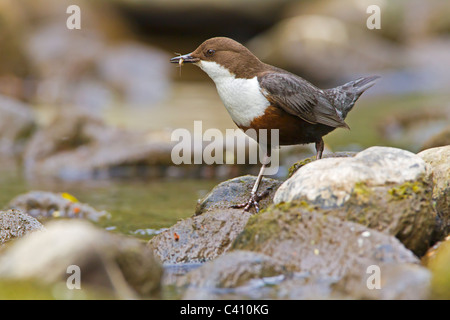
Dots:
pixel 300 98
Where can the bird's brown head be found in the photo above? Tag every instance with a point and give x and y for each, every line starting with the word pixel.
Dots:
pixel 226 53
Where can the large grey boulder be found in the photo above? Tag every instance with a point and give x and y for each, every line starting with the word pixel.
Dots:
pixel 237 191
pixel 234 269
pixel 299 253
pixel 383 188
pixel 304 240
pixel 330 182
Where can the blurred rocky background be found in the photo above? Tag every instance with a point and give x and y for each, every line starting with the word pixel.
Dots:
pixel 89 113
pixel 116 66
pixel 101 102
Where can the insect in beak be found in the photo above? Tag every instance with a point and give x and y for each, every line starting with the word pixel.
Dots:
pixel 180 62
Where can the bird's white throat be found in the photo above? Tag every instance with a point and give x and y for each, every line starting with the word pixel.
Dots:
pixel 242 97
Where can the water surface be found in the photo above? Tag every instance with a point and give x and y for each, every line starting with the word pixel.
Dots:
pixel 137 208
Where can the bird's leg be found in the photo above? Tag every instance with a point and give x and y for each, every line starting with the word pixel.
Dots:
pixel 319 149
pixel 254 196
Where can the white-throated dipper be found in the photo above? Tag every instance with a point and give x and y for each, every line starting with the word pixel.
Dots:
pixel 261 96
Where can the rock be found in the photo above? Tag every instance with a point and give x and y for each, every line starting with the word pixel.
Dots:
pixel 397 18
pixel 417 128
pixel 17 122
pixel 330 182
pixel 109 59
pixel 324 54
pixel 60 73
pixel 386 189
pixel 438 160
pixel 200 238
pixel 215 225
pixel 236 191
pixel 299 254
pixel 301 163
pixel 233 269
pixel 400 51
pixel 440 139
pixel 118 264
pixel 304 286
pixel 310 241
pixel 397 281
pixel 79 146
pixel 43 204
pixel 15 224
pixel 138 72
pixel 402 281
pixel 235 274
pixel 438 261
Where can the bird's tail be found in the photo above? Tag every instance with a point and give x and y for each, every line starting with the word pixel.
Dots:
pixel 345 96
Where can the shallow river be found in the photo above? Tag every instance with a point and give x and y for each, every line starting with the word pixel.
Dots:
pixel 137 208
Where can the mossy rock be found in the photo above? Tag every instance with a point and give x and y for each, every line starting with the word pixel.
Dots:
pixel 405 211
pixel 317 242
pixel 439 263
pixel 385 189
pixel 301 163
pixel 237 191
pixel 199 238
pixel 438 161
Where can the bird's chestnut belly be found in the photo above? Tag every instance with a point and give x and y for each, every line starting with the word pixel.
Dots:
pixel 292 129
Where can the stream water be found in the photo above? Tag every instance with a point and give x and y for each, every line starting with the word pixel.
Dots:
pixel 138 208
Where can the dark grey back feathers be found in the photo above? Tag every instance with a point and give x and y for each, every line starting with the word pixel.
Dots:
pixel 300 98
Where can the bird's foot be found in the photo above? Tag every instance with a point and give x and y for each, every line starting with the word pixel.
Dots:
pixel 253 201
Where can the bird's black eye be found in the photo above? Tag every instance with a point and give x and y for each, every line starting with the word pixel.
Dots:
pixel 210 52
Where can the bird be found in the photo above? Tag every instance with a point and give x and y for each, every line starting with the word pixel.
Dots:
pixel 261 96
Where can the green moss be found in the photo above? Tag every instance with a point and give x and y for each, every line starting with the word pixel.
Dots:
pixel 298 165
pixel 362 192
pixel 286 206
pixel 439 267
pixel 259 228
pixel 263 226
pixel 406 190
pixel 34 290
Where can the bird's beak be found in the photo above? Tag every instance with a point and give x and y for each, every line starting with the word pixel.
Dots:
pixel 187 58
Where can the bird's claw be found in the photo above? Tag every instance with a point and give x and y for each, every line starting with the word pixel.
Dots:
pixel 252 202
